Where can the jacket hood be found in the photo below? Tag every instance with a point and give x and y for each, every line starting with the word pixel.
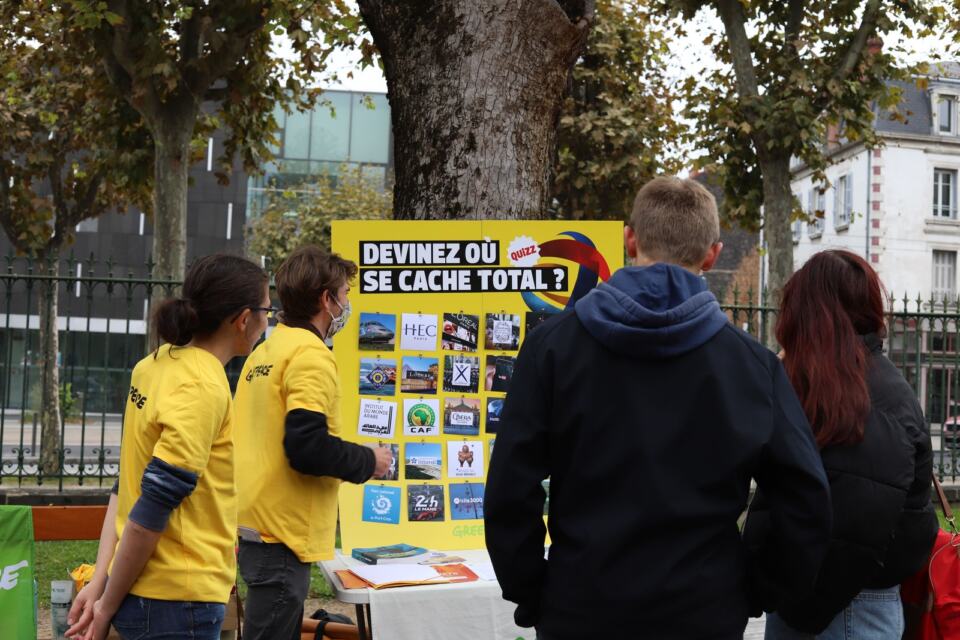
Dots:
pixel 660 311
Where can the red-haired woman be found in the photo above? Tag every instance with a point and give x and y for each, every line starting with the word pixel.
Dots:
pixel 875 446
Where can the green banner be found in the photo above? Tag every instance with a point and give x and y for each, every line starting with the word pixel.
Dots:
pixel 18 617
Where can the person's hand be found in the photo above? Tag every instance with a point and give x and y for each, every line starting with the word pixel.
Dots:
pixel 384 459
pixel 101 622
pixel 81 612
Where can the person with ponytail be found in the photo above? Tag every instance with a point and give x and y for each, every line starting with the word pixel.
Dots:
pixel 176 512
pixel 875 446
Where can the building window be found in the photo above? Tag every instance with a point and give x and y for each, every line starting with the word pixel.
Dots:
pixel 797 231
pixel 843 202
pixel 815 203
pixel 330 128
pixel 947 114
pixel 944 193
pixel 944 274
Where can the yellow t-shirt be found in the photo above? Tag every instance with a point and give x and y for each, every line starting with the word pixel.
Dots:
pixel 179 410
pixel 292 369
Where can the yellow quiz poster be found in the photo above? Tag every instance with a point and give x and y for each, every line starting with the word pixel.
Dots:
pixel 439 311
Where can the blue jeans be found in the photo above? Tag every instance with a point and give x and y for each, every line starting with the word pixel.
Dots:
pixel 145 619
pixel 874 614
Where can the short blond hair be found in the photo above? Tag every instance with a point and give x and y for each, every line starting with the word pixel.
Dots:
pixel 675 220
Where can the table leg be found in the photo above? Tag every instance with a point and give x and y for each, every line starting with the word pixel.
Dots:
pixel 361 623
pixel 369 620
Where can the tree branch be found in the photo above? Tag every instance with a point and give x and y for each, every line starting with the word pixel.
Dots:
pixel 6 208
pixel 734 23
pixel 792 33
pixel 859 41
pixel 578 10
pixel 220 62
pixel 61 211
pixel 84 208
pixel 120 60
pixel 190 38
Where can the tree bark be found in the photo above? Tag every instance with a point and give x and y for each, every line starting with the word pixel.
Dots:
pixel 475 91
pixel 50 377
pixel 777 211
pixel 171 173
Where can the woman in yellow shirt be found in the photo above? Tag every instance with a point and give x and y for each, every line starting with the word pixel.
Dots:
pixel 176 515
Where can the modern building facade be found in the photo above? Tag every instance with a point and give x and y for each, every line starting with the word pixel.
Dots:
pixel 103 324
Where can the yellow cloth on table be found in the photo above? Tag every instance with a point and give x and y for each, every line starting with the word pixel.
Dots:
pixel 82 575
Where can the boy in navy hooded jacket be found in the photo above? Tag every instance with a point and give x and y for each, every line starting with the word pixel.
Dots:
pixel 651 413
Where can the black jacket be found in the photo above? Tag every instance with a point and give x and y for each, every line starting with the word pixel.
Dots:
pixel 884 524
pixel 650 413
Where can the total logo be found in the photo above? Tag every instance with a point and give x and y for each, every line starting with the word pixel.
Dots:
pixel 571 249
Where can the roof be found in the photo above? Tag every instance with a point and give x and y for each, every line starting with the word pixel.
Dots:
pixel 915 104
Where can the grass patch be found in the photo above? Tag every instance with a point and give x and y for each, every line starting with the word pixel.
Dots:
pixel 943 519
pixel 54 561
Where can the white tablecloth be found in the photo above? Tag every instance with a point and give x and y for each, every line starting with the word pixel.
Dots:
pixel 465 611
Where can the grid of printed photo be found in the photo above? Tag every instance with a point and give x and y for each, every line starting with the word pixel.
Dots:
pixel 432 388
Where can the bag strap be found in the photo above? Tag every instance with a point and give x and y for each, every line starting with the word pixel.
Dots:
pixel 944 504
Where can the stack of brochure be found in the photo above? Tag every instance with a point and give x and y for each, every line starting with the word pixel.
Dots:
pixel 403 575
pixel 392 554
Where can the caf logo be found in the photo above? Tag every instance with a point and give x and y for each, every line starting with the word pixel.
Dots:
pixel 421 415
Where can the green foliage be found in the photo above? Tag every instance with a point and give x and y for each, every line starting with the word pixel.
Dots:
pixel 63 128
pixel 68 402
pixel 791 69
pixel 169 57
pixel 55 561
pixel 69 405
pixel 617 128
pixel 302 214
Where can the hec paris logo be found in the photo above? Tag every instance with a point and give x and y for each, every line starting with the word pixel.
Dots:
pixel 9 576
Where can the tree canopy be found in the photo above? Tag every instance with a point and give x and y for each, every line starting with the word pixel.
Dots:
pixel 617 127
pixel 789 70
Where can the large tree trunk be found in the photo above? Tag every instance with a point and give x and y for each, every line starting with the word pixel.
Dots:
pixel 172 138
pixel 171 172
pixel 50 376
pixel 777 211
pixel 475 90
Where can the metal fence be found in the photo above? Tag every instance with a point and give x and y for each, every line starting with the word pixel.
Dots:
pixel 102 322
pixel 102 334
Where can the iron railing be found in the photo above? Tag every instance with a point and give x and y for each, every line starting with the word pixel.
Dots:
pixel 102 320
